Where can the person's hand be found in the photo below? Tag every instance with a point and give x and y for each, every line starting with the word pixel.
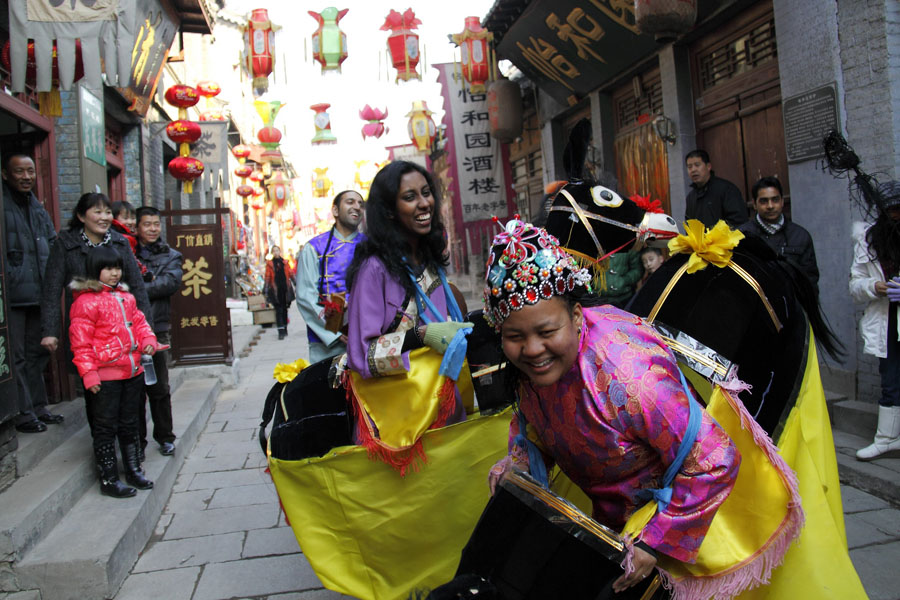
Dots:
pixel 643 563
pixel 50 343
pixel 94 388
pixel 439 334
pixel 343 339
pixel 149 350
pixel 881 288
pixel 497 472
pixel 893 289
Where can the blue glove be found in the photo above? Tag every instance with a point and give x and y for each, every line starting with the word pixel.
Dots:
pixel 893 289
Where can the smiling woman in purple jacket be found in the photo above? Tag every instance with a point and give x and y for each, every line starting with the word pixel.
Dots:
pixel 400 299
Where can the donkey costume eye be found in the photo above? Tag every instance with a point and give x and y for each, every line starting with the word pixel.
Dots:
pixel 605 197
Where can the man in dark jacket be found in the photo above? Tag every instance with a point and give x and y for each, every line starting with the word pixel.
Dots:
pixel 27 237
pixel 711 198
pixel 786 238
pixel 163 279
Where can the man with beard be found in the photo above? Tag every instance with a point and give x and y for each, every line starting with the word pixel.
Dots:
pixel 321 275
pixel 27 239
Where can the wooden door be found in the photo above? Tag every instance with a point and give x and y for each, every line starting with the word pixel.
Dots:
pixel 738 100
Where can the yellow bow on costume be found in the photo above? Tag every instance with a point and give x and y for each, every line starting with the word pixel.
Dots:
pixel 285 372
pixel 706 246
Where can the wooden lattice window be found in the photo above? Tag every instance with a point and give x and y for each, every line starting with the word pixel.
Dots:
pixel 635 107
pixel 113 140
pixel 732 58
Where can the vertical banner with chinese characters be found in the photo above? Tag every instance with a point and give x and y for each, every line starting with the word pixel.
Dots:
pixel 477 163
pixel 201 323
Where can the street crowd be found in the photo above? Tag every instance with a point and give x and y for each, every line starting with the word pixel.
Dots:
pixel 598 392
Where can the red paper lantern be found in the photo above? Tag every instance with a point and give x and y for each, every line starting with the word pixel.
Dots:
pixel 475 54
pixel 186 169
pixel 279 189
pixel 269 135
pixel 403 43
pixel 241 152
pixel 182 96
pixel 244 191
pixel 213 115
pixel 259 39
pixel 183 132
pixel 208 89
pixel 243 171
pixel 257 176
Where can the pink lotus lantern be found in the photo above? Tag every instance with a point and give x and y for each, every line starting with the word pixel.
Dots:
pixel 375 126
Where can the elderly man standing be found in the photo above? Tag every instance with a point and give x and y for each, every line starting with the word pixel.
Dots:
pixel 163 279
pixel 322 270
pixel 28 235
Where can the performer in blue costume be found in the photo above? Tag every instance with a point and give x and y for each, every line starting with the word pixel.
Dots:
pixel 321 274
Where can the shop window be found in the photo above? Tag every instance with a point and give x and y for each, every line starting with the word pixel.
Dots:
pixel 732 58
pixel 642 164
pixel 642 99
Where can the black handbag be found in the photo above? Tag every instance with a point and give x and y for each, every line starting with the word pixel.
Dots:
pixel 309 417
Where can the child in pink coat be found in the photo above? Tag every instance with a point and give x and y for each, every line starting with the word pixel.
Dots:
pixel 108 334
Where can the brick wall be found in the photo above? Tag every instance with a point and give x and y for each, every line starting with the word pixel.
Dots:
pixel 132 157
pixel 68 165
pixel 869 34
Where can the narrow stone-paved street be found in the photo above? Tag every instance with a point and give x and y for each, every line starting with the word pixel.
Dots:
pixel 222 534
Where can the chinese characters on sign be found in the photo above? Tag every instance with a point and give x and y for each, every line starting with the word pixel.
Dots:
pixel 478 166
pixel 571 45
pixel 200 326
pixel 93 127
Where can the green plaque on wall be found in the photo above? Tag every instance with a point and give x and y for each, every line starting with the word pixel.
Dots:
pixel 93 127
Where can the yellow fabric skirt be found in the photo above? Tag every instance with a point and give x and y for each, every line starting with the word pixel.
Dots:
pixel 374 535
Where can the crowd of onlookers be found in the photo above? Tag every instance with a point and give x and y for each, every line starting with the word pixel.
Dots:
pixel 98 292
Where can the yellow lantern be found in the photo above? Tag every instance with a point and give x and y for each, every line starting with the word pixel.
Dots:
pixel 421 126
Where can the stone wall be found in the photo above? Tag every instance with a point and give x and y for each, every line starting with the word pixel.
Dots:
pixel 9 443
pixel 68 165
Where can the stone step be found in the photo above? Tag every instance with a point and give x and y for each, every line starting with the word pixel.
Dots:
pixel 33 447
pixel 854 417
pixel 35 503
pixel 89 553
pixel 879 477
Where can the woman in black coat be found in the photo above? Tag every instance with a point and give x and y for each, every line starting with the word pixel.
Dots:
pixel 89 227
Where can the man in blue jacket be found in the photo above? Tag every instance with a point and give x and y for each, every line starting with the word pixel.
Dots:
pixel 27 238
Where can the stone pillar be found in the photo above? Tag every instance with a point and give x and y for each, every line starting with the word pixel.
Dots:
pixel 678 105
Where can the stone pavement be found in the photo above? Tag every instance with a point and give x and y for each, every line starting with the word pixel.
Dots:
pixel 222 534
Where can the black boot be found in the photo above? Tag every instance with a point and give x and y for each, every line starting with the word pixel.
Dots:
pixel 134 475
pixel 109 473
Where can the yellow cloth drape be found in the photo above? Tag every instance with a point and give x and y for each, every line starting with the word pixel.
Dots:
pixel 818 565
pixel 372 534
pixel 404 406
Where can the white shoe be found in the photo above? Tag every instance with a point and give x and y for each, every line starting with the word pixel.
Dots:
pixel 887 438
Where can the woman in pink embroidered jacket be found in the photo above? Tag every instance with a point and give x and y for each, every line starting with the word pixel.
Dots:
pixel 603 398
